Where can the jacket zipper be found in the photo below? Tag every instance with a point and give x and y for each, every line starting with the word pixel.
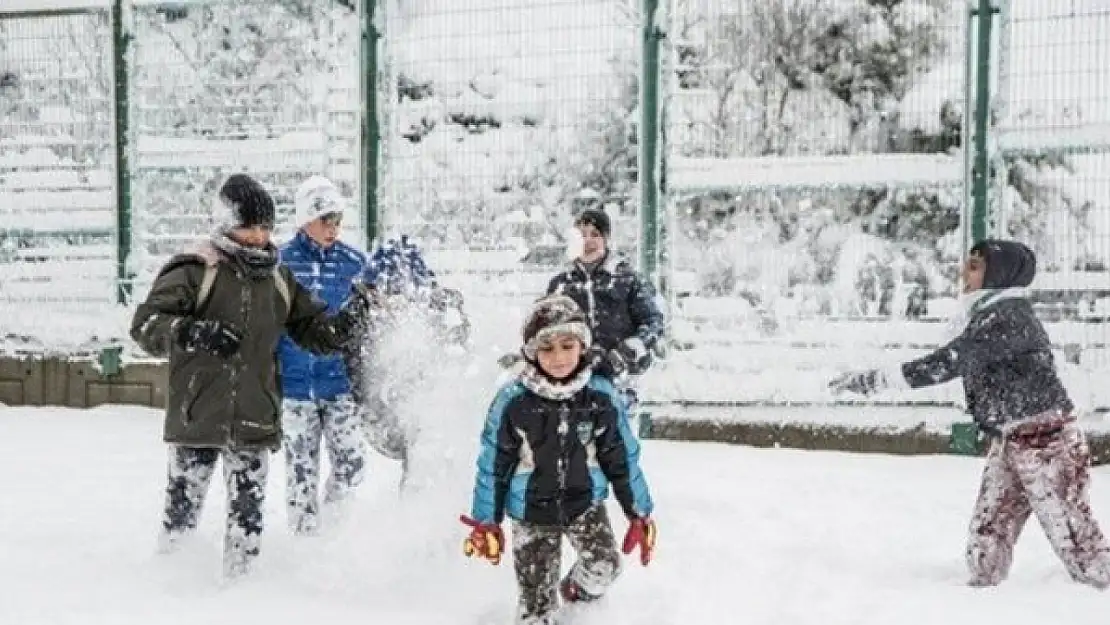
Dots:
pixel 561 465
pixel 590 304
pixel 237 359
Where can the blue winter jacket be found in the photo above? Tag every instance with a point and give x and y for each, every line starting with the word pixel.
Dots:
pixel 397 267
pixel 327 274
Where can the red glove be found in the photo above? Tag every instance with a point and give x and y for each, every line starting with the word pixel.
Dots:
pixel 641 531
pixel 485 540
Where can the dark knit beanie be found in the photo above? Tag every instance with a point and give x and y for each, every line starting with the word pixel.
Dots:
pixel 247 203
pixel 597 218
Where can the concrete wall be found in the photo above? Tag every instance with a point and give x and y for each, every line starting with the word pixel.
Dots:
pixel 79 383
pixel 911 441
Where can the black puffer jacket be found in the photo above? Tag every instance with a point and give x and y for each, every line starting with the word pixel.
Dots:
pixel 1003 355
pixel 618 302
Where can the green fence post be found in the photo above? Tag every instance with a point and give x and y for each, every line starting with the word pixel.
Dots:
pixel 964 439
pixel 980 171
pixel 649 144
pixel 371 134
pixel 121 39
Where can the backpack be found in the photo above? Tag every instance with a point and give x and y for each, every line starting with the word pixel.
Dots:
pixel 209 279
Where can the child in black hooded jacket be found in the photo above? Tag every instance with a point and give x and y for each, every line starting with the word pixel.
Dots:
pixel 1038 460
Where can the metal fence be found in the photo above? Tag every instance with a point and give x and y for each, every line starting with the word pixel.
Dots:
pixel 506 119
pixel 829 162
pixel 816 184
pixel 257 86
pixel 128 115
pixel 57 157
pixel 1050 151
pixel 799 176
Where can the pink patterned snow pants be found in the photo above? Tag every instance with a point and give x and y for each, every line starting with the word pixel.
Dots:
pixel 1044 473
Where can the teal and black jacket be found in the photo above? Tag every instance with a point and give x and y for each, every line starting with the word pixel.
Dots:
pixel 545 461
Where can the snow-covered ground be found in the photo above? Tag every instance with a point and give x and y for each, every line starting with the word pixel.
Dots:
pixel 746 535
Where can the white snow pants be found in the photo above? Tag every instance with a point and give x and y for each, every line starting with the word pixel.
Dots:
pixel 304 425
pixel 1044 473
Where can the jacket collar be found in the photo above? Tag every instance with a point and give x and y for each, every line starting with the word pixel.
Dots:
pixel 607 265
pixel 310 247
pixel 977 302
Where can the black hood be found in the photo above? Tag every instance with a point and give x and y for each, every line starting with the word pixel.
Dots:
pixel 1009 263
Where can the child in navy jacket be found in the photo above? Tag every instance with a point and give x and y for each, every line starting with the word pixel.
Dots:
pixel 555 438
pixel 1038 461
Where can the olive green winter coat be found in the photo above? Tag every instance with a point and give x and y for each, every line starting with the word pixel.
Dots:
pixel 233 402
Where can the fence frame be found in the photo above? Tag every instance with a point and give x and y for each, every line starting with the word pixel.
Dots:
pixel 370 131
pixel 121 43
pixel 654 194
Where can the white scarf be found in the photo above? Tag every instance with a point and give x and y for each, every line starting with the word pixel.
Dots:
pixel 535 381
pixel 978 301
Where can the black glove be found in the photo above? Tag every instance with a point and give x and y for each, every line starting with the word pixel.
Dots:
pixel 214 337
pixel 354 316
pixel 861 382
pixel 630 356
pixel 636 356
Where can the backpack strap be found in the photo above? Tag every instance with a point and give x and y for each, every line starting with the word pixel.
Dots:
pixel 206 283
pixel 282 287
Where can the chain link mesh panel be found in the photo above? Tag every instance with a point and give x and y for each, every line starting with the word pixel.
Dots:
pixel 1052 171
pixel 268 88
pixel 815 177
pixel 57 204
pixel 505 120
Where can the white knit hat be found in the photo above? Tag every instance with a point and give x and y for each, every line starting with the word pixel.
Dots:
pixel 317 197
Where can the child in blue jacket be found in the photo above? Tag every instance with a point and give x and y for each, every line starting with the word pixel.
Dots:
pixel 555 438
pixel 317 405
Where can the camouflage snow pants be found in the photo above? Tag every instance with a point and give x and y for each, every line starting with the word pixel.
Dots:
pixel 537 561
pixel 1047 475
pixel 304 424
pixel 189 474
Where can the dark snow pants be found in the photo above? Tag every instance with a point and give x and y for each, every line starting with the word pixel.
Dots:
pixel 190 472
pixel 1041 470
pixel 537 561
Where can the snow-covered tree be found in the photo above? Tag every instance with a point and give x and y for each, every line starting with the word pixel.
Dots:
pixel 813 77
pixel 497 137
pixel 236 69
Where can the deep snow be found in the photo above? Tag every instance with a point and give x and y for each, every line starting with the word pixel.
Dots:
pixel 746 535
